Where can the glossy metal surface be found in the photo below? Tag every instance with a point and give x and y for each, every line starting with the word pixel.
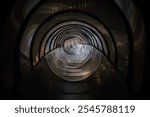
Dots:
pixel 75 49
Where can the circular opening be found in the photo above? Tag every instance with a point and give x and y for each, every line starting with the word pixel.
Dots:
pixel 71 53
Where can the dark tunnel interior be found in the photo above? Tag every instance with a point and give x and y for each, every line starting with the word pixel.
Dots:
pixel 74 50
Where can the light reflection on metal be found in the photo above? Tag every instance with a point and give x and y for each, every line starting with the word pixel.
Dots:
pixel 28 36
pixel 61 33
pixel 51 36
pixel 76 64
pixel 72 48
pixel 138 31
